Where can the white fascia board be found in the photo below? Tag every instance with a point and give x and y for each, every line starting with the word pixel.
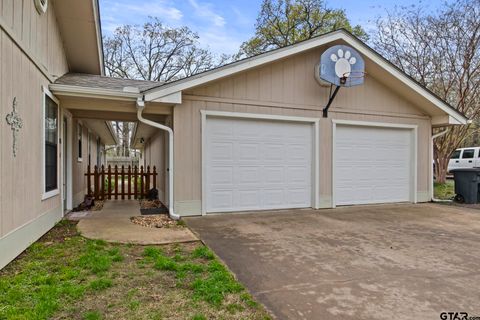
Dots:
pixel 76 91
pixel 98 31
pixel 175 98
pixel 445 120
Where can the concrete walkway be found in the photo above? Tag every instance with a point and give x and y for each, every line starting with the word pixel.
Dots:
pixel 113 224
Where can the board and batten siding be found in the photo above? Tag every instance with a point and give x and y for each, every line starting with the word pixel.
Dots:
pixel 28 42
pixel 155 155
pixel 288 88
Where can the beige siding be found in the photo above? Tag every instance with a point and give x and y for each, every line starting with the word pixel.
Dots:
pixel 154 155
pixel 288 88
pixel 37 35
pixel 290 83
pixel 21 177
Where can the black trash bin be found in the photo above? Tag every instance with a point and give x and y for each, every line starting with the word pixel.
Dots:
pixel 467 182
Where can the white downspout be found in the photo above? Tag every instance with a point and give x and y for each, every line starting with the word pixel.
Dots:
pixel 435 136
pixel 140 107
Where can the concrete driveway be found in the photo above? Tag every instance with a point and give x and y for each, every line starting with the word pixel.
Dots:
pixel 371 262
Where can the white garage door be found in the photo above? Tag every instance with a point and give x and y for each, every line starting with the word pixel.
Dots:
pixel 257 164
pixel 372 165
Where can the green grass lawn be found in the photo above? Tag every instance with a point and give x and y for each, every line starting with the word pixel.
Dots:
pixel 65 276
pixel 444 191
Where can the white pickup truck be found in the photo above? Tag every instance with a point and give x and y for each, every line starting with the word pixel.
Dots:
pixel 464 158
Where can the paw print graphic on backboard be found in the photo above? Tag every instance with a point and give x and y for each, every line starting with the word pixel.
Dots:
pixel 343 62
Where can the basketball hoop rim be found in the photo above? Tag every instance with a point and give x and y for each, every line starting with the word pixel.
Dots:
pixel 354 74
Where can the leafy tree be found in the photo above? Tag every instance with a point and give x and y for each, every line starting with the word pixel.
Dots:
pixel 155 52
pixel 441 50
pixel 284 22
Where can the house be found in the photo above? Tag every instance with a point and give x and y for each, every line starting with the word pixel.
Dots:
pixel 246 136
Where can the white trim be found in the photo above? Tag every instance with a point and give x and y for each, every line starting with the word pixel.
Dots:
pixel 413 128
pixel 17 240
pixel 256 116
pixel 278 54
pixel 98 31
pixel 78 91
pixel 51 193
pixel 175 97
pixel 374 124
pixel 68 159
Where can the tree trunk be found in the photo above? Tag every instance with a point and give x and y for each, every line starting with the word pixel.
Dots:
pixel 441 167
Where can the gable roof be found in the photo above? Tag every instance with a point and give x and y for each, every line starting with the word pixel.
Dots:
pixel 421 94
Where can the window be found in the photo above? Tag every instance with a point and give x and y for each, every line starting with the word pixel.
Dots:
pixel 79 139
pixel 468 153
pixel 50 134
pixel 456 154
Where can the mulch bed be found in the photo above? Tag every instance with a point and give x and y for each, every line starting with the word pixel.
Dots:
pixel 156 221
pixel 148 204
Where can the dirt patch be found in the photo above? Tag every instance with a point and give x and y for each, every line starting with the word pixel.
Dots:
pixel 63 231
pixel 463 205
pixel 156 221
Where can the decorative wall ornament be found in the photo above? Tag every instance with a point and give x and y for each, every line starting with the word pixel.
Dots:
pixel 16 123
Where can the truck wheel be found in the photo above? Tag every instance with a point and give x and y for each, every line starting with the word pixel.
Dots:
pixel 459 198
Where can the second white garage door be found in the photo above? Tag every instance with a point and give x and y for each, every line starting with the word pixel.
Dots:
pixel 372 165
pixel 257 164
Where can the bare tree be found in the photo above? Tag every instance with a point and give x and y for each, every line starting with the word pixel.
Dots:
pixel 155 52
pixel 441 50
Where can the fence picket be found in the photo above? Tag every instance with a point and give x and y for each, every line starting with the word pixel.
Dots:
pixel 147 180
pixel 106 188
pixel 116 182
pixel 102 184
pixel 109 184
pixel 95 182
pixel 141 182
pixel 129 177
pixel 135 181
pixel 89 184
pixel 154 173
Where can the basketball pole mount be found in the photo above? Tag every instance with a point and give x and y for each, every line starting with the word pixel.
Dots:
pixel 330 100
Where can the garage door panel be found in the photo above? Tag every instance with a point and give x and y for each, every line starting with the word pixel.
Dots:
pixel 268 164
pixel 298 175
pixel 222 151
pixel 222 176
pixel 297 197
pixel 372 165
pixel 246 175
pixel 222 198
pixel 273 198
pixel 274 175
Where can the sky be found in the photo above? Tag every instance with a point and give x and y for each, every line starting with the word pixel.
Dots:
pixel 223 25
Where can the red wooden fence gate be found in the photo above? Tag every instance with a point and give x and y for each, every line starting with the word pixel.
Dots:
pixel 120 182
